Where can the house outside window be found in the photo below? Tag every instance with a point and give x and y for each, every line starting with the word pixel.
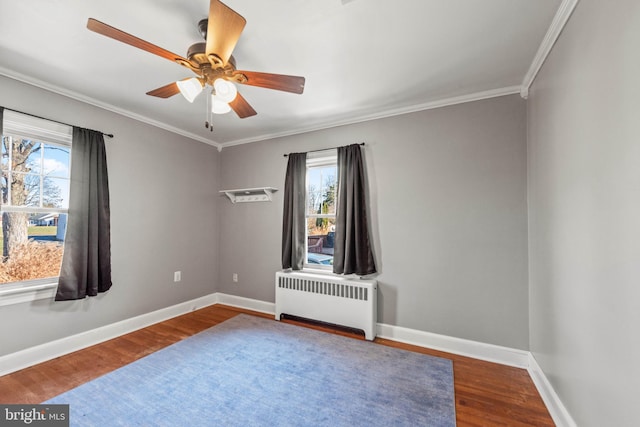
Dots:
pixel 35 167
pixel 321 209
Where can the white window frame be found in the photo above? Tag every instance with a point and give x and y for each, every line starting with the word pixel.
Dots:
pixel 316 160
pixel 18 125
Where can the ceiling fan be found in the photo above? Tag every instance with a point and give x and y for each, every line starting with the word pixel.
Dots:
pixel 212 63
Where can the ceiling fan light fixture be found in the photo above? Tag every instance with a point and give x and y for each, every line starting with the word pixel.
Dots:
pixel 218 106
pixel 225 90
pixel 190 88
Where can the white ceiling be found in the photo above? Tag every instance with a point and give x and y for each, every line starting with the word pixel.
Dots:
pixel 361 58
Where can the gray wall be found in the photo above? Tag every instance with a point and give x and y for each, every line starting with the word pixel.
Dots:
pixel 584 198
pixel 448 196
pixel 163 217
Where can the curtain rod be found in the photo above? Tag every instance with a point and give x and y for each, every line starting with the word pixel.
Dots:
pixel 110 135
pixel 323 149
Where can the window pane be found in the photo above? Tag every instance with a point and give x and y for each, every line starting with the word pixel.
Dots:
pixel 6 144
pixel 320 240
pixel 329 192
pixel 314 200
pixel 25 189
pixel 30 150
pixel 33 246
pixel 314 190
pixel 5 189
pixel 55 193
pixel 321 190
pixel 56 161
pixel 37 180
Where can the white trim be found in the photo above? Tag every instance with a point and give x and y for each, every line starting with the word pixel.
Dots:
pixel 493 93
pixel 556 408
pixel 41 353
pixel 553 33
pixel 477 350
pixel 91 101
pixel 246 303
pixel 478 96
pixel 27 292
pixel 22 125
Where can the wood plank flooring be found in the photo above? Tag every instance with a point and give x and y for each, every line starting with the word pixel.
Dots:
pixel 487 394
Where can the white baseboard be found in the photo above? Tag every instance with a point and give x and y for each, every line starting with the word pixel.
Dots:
pixel 41 353
pixel 477 350
pixel 246 303
pixel 556 408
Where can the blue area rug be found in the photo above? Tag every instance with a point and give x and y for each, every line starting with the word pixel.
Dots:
pixel 250 371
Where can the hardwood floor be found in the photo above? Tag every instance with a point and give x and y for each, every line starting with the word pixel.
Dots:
pixel 487 394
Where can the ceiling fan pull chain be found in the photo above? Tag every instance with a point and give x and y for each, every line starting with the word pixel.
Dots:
pixel 210 109
pixel 206 119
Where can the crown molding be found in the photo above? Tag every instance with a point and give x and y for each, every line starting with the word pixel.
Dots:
pixel 445 102
pixel 105 106
pixel 493 93
pixel 553 33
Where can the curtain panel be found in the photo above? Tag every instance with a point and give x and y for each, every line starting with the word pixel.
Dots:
pixel 352 250
pixel 293 218
pixel 86 263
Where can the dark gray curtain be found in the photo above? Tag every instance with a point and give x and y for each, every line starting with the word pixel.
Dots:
pixel 293 223
pixel 352 250
pixel 86 263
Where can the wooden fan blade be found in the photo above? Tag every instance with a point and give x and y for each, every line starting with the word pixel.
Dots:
pixel 293 84
pixel 165 91
pixel 242 107
pixel 223 31
pixel 116 34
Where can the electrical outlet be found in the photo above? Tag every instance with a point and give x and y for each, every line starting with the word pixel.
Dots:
pixel 235 277
pixel 177 276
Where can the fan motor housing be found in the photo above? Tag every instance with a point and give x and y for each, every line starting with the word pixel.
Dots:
pixel 196 53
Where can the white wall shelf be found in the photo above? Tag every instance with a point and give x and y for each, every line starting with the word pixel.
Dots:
pixel 243 195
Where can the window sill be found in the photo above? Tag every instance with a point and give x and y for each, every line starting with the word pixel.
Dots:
pixel 28 291
pixel 309 268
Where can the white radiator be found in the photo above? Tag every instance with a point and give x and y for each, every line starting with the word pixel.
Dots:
pixel 351 303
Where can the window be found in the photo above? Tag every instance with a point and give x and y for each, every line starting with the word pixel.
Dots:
pixel 35 166
pixel 321 209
